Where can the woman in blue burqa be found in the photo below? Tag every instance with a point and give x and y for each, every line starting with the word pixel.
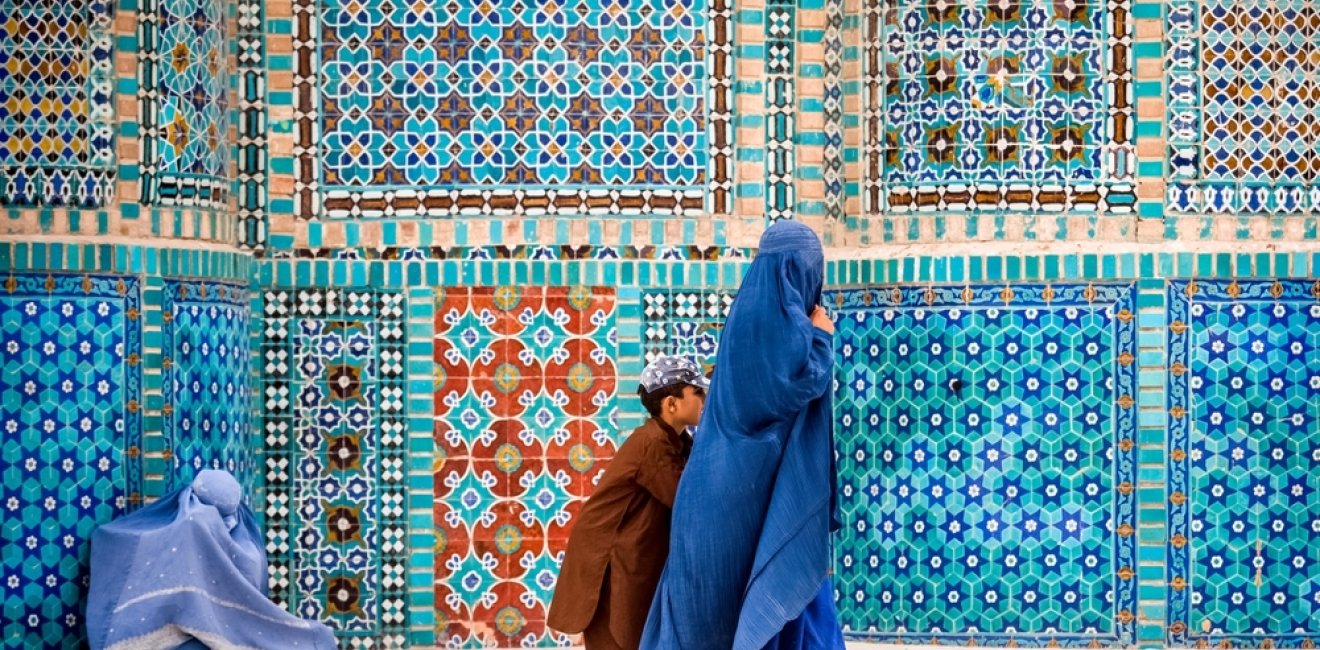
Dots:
pixel 189 571
pixel 749 548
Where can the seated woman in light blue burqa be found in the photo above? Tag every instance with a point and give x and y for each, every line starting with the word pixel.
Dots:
pixel 189 571
pixel 749 548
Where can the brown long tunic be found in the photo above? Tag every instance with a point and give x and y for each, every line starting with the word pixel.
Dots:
pixel 624 527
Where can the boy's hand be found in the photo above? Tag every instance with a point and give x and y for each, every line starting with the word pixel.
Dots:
pixel 821 319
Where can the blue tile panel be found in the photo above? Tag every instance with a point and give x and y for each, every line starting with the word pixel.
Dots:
pixel 509 107
pixel 1244 448
pixel 253 126
pixel 987 463
pixel 183 59
pixel 70 421
pixel 206 376
pixel 56 142
pixel 1038 120
pixel 1244 108
pixel 780 108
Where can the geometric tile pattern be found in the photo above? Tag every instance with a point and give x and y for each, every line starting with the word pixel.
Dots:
pixel 526 252
pixel 512 107
pixel 183 60
pixel 70 426
pixel 334 460
pixel 833 108
pixel 253 127
pixel 1244 463
pixel 206 373
pixel 1244 106
pixel 684 323
pixel 780 105
pixel 1039 119
pixel 986 441
pixel 55 108
pixel 525 423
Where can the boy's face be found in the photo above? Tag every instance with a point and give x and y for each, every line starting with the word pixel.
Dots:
pixel 685 411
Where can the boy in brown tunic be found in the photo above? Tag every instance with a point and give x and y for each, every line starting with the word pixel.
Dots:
pixel 619 545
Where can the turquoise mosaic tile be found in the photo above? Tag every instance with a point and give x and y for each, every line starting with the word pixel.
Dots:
pixel 504 108
pixel 184 73
pixel 70 412
pixel 253 125
pixel 985 439
pixel 836 191
pixel 1243 373
pixel 125 259
pixel 335 433
pixel 1040 121
pixel 780 108
pixel 206 376
pixel 1242 108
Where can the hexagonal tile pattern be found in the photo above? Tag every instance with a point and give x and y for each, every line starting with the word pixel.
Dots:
pixel 206 370
pixel 1244 463
pixel 70 396
pixel 987 465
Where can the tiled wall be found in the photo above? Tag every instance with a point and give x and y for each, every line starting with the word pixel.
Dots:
pixel 470 418
pixel 1050 474
pixel 57 117
pixel 205 361
pixel 184 79
pixel 525 415
pixel 72 417
pixel 120 381
pixel 1244 438
pixel 334 423
pixel 427 419
pixel 988 463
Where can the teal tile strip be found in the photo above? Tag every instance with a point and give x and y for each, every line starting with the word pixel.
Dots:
pixel 122 258
pixel 421 464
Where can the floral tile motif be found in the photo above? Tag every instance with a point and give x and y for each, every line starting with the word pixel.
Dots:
pixel 183 61
pixel 1041 119
pixel 206 372
pixel 1244 106
pixel 525 388
pixel 512 107
pixel 335 477
pixel 56 121
pixel 1244 453
pixel 986 446
pixel 70 412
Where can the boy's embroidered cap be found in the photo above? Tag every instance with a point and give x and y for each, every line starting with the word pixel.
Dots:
pixel 667 371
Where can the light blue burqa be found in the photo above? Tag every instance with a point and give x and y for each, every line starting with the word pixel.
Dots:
pixel 749 548
pixel 188 571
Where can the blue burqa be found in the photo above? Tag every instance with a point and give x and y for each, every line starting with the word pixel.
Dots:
pixel 188 571
pixel 749 548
